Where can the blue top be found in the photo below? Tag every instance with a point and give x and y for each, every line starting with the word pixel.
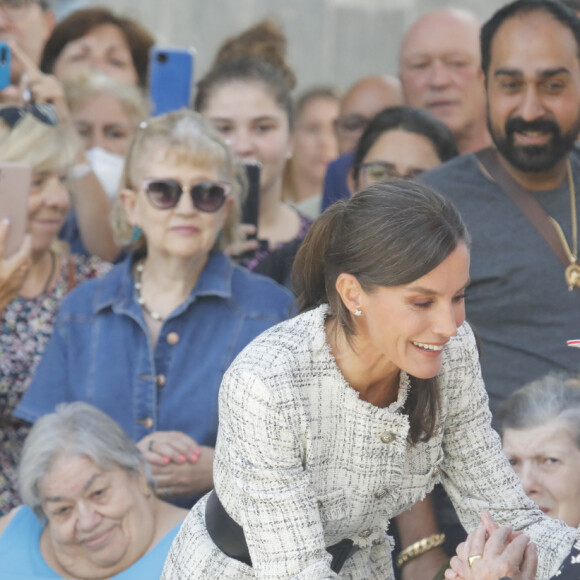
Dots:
pixel 335 186
pixel 20 557
pixel 100 351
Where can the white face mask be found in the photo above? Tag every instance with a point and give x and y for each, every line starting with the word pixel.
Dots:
pixel 108 167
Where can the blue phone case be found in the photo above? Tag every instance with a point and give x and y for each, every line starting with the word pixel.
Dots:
pixel 170 78
pixel 5 60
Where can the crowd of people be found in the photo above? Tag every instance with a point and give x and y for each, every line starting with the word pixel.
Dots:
pixel 372 381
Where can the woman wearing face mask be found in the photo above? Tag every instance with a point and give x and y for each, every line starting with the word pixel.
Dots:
pixel 106 115
pixel 339 419
pixel 149 343
pixel 246 96
pixel 34 281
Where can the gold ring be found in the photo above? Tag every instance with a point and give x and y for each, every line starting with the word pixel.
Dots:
pixel 473 558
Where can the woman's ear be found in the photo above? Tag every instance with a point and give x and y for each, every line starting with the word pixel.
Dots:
pixel 350 183
pixel 129 200
pixel 350 292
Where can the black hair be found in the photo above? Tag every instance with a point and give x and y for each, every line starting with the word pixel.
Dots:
pixel 389 234
pixel 407 119
pixel 558 10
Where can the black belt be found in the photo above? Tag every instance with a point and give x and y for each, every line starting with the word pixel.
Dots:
pixel 229 536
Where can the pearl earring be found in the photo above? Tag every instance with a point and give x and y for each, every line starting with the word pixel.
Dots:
pixel 358 312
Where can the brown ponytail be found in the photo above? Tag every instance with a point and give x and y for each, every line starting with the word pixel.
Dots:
pixel 308 272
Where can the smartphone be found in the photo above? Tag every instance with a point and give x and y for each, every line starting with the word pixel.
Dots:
pixel 251 206
pixel 170 78
pixel 5 63
pixel 15 180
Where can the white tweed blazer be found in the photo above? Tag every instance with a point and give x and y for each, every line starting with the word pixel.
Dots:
pixel 302 462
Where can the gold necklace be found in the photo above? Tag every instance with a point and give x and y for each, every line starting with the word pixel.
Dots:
pixel 572 272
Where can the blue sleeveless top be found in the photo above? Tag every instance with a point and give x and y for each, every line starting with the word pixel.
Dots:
pixel 20 557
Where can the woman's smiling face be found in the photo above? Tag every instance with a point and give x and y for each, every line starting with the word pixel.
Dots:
pixel 408 326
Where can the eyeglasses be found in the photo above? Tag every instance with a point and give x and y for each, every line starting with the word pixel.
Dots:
pixel 165 193
pixel 379 171
pixel 350 124
pixel 43 112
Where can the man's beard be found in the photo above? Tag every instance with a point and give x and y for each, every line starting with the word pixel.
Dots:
pixel 534 158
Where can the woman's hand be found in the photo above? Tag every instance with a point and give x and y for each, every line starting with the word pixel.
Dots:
pixel 179 465
pixel 163 447
pixel 503 554
pixel 185 479
pixel 38 87
pixel 13 270
pixel 247 245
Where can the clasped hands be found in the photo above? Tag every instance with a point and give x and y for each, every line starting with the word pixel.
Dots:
pixel 493 552
pixel 179 465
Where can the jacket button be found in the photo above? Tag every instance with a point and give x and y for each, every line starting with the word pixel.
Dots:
pixel 365 533
pixel 381 493
pixel 160 380
pixel 387 437
pixel 147 422
pixel 173 338
pixel 436 471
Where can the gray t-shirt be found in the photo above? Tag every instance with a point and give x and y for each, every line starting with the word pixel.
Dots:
pixel 518 301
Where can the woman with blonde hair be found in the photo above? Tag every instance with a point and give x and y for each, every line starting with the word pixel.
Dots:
pixel 149 343
pixel 33 281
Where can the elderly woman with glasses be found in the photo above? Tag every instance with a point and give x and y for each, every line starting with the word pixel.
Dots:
pixel 150 342
pixel 35 279
pixel 90 510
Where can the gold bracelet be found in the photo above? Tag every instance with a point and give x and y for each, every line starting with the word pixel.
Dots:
pixel 420 547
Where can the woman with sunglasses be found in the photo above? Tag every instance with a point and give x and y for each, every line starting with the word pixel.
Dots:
pixel 35 279
pixel 400 142
pixel 149 343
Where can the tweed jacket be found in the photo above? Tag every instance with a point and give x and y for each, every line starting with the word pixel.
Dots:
pixel 302 462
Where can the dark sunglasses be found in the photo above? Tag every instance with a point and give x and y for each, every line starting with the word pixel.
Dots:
pixel 43 112
pixel 166 193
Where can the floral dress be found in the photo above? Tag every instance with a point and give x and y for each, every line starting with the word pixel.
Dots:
pixel 25 327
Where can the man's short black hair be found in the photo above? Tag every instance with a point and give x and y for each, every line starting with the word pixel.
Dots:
pixel 557 10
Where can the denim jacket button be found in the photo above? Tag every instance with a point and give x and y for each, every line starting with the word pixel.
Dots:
pixel 147 422
pixel 160 380
pixel 173 338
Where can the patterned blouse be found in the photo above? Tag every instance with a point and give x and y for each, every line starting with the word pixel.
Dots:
pixel 302 462
pixel 25 327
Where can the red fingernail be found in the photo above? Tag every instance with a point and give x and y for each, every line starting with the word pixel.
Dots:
pixel 166 460
pixel 182 459
pixel 195 456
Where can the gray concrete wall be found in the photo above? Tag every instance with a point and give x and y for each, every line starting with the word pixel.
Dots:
pixel 330 41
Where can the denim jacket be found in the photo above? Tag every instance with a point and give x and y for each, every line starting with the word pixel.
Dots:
pixel 100 351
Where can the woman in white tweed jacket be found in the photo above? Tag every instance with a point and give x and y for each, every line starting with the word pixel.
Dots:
pixel 336 421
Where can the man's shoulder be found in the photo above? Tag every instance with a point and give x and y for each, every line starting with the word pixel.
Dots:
pixel 464 167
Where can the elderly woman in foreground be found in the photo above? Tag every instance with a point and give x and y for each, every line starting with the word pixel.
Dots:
pixel 90 511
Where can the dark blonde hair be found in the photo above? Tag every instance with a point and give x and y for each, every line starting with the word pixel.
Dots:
pixel 389 234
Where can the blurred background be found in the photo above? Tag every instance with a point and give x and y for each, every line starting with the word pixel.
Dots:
pixel 330 41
